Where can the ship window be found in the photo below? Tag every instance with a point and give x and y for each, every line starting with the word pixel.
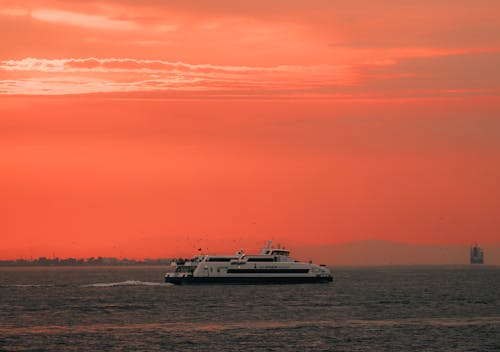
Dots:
pixel 268 271
pixel 260 259
pixel 184 269
pixel 219 259
pixel 285 253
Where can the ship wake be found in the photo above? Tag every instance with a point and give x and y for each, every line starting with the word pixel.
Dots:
pixel 127 283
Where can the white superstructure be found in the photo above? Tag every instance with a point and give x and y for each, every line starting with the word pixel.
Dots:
pixel 271 266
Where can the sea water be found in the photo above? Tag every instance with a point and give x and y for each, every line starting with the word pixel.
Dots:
pixel 364 309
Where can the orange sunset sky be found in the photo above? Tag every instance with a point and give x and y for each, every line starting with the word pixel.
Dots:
pixel 152 128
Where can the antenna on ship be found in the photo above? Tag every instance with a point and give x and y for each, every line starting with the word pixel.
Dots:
pixel 266 247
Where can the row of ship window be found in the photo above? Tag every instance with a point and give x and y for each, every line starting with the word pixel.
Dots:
pixel 215 259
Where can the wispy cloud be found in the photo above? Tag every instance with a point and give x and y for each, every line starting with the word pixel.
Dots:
pixel 128 65
pixel 40 76
pixel 77 19
pixel 82 20
pixel 93 75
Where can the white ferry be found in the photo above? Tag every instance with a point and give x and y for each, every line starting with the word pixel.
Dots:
pixel 271 266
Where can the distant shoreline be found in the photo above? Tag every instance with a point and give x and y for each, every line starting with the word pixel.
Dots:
pixel 83 262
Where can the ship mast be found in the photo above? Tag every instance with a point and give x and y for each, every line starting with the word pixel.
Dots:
pixel 266 247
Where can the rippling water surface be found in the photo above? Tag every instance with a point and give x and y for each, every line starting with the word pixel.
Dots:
pixel 365 309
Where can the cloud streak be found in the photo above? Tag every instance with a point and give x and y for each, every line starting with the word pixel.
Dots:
pixel 126 65
pixel 72 18
pixel 94 75
pixel 42 76
pixel 82 20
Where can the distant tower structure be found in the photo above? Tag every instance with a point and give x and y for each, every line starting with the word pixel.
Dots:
pixel 476 254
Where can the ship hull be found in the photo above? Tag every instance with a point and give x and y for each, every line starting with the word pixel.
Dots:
pixel 192 280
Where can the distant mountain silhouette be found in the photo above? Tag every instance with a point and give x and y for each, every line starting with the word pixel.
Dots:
pixel 380 252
